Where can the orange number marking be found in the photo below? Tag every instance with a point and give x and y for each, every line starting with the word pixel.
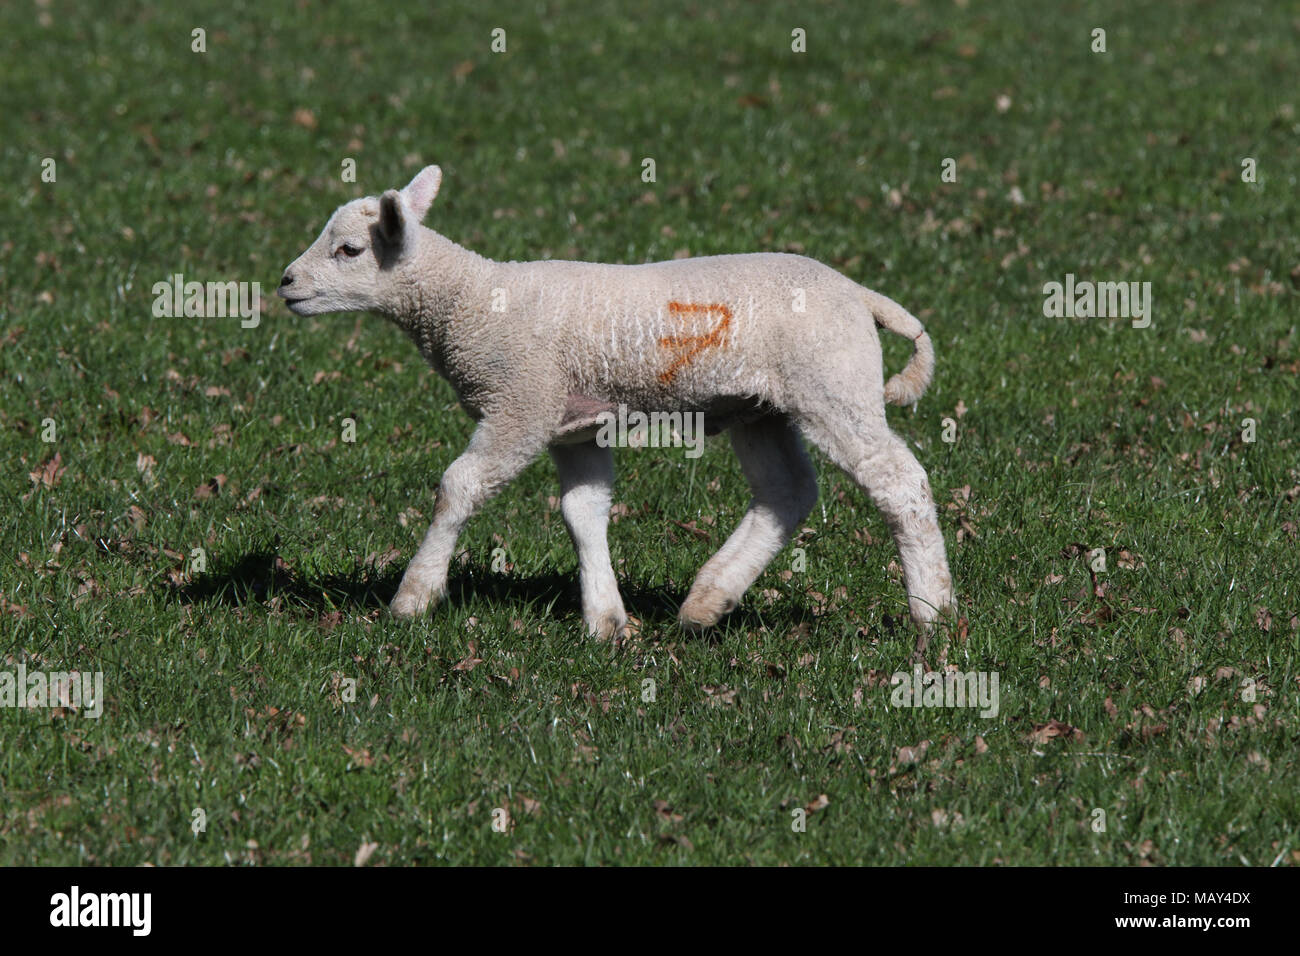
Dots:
pixel 689 346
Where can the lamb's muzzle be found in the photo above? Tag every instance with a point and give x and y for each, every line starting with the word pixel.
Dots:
pixel 775 347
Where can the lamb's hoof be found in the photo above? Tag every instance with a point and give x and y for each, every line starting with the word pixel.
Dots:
pixel 410 604
pixel 700 612
pixel 927 618
pixel 608 626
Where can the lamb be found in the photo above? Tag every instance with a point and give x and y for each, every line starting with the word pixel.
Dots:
pixel 540 352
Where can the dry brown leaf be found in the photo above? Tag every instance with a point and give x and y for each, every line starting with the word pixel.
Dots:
pixel 694 529
pixel 1053 729
pixel 210 488
pixel 50 473
pixel 820 802
pixel 913 754
pixel 360 756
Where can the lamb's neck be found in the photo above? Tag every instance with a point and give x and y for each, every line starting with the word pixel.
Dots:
pixel 443 280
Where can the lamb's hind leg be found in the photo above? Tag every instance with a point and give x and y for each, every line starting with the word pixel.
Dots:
pixel 784 488
pixel 586 486
pixel 889 473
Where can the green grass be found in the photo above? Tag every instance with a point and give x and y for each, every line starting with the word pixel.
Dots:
pixel 224 687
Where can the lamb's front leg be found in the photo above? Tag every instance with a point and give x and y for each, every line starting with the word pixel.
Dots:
pixel 493 458
pixel 586 486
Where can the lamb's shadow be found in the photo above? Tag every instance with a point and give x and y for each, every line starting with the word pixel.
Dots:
pixel 261 576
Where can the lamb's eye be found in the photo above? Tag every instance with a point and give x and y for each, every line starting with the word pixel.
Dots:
pixel 350 250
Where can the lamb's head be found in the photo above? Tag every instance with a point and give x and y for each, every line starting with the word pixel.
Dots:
pixel 354 265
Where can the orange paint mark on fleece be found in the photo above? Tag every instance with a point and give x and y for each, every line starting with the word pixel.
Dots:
pixel 689 346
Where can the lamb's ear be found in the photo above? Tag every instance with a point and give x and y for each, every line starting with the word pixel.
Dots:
pixel 420 191
pixel 392 220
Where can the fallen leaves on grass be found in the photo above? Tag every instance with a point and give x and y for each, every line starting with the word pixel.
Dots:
pixel 941 818
pixel 909 755
pixel 17 610
pixel 210 488
pixel 720 695
pixel 1052 729
pixel 839 742
pixel 379 560
pixel 360 756
pixel 700 533
pixel 960 505
pixel 820 802
pixel 665 812
pixel 677 839
pixel 50 473
pixel 275 725
pixel 469 661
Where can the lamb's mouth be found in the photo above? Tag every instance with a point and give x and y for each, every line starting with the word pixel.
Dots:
pixel 292 302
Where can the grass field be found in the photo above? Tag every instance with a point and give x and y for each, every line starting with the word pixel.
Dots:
pixel 1161 691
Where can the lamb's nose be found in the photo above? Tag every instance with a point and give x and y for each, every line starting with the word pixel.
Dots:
pixel 285 280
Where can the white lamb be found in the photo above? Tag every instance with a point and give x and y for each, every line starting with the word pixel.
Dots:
pixel 539 351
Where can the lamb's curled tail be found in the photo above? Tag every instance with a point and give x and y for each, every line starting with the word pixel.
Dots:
pixel 908 385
